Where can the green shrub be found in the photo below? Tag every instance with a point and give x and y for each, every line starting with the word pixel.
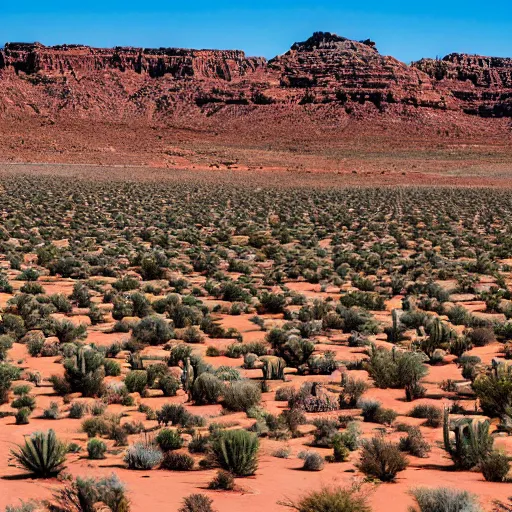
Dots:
pixel 381 459
pixel 43 455
pixel 169 440
pixel 495 467
pixel 241 395
pixel 96 449
pixel 223 481
pixel 52 412
pixel 152 330
pixel 414 443
pixel 431 413
pixel 494 391
pixel 136 381
pixel 112 368
pixel 169 385
pixel 27 401
pixel 236 451
pixel 78 410
pixel 175 414
pixel 22 416
pixel 175 461
pixel 445 500
pixel 207 389
pixel 8 373
pixel 353 390
pixel 95 426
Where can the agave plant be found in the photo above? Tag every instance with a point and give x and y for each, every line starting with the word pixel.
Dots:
pixel 42 454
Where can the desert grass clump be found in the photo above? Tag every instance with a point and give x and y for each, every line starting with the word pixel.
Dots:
pixel 222 481
pixel 444 500
pixel 197 503
pixel 207 389
pixel 78 410
pixel 43 455
pixel 381 459
pixel 236 451
pixel 335 499
pixel 143 455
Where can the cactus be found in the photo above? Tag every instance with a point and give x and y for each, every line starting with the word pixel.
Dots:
pixel 439 336
pixel 472 443
pixel 395 332
pixel 273 367
pixel 84 372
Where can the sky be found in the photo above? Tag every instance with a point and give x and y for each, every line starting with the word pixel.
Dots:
pixel 403 29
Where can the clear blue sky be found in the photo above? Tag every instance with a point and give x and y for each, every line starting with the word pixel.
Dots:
pixel 407 30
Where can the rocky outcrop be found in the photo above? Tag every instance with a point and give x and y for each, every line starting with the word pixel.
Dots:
pixel 481 85
pixel 176 62
pixel 326 69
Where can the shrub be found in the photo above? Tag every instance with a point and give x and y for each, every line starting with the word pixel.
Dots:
pixel 177 461
pixel 325 431
pixel 431 413
pixel 222 481
pixel 91 492
pixel 207 389
pixel 414 443
pixel 35 345
pixel 152 330
pixel 169 440
pixel 282 453
pixel 112 368
pixel 197 503
pixel 136 381
pixel 169 385
pixel 43 455
pixel 495 467
pixel 241 395
pixel 8 373
pixel 332 500
pixel 143 455
pixel 27 401
pixel 350 436
pixel 95 426
pixel 481 336
pixel 22 416
pixel 52 412
pixel 96 449
pixel 236 451
pixel 494 391
pixel 199 444
pixel 445 500
pixel 175 414
pixel 381 459
pixel 313 461
pixel 353 390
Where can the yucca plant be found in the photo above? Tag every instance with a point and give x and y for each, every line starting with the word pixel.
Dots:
pixel 236 451
pixel 42 454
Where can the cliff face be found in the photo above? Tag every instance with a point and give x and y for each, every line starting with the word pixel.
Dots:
pixel 351 76
pixel 482 85
pixel 179 63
